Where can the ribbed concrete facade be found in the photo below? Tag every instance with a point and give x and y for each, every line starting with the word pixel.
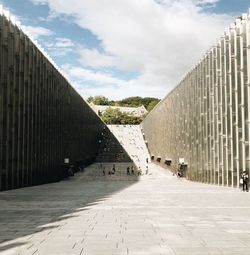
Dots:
pixel 42 118
pixel 206 118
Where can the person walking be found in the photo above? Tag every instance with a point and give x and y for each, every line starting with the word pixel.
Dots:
pixel 146 169
pixel 113 169
pixel 132 170
pixel 139 171
pixel 128 172
pixel 244 178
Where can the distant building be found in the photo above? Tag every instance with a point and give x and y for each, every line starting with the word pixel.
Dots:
pixel 133 111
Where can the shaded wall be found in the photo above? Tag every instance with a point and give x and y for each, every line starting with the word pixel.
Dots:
pixel 206 118
pixel 42 118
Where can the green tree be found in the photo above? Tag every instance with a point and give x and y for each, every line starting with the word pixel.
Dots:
pixel 137 101
pixel 90 99
pixel 98 100
pixel 131 102
pixel 111 116
pixel 115 116
pixel 151 105
pixel 147 102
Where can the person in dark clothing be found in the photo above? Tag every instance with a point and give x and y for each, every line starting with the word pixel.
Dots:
pixel 179 171
pixel 113 169
pixel 179 174
pixel 132 170
pixel 139 171
pixel 128 172
pixel 244 177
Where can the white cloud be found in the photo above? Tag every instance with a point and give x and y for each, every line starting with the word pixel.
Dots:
pixel 93 58
pixel 39 1
pixel 78 73
pixel 207 1
pixel 60 46
pixel 91 83
pixel 36 32
pixel 64 43
pixel 161 39
pixel 118 93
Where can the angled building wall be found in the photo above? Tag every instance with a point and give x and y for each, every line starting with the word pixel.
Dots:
pixel 206 118
pixel 42 118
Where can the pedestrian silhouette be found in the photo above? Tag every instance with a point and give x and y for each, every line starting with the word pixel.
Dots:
pixel 113 169
pixel 139 171
pixel 244 180
pixel 132 170
pixel 128 172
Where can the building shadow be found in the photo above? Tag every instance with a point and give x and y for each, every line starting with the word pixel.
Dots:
pixel 28 211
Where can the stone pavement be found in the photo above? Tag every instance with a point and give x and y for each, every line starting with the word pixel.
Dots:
pixel 157 214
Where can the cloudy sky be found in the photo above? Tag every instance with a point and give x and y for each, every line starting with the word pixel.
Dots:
pixel 121 48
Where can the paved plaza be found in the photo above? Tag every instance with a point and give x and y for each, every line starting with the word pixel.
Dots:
pixel 156 214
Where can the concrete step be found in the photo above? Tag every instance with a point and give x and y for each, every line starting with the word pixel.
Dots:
pixel 109 178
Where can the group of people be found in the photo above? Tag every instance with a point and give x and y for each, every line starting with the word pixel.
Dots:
pixel 130 170
pixel 110 172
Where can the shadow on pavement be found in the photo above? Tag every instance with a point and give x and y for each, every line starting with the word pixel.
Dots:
pixel 26 211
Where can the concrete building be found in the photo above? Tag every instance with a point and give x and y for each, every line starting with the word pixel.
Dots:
pixel 43 120
pixel 205 119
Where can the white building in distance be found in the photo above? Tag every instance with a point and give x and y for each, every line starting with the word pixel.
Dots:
pixel 133 111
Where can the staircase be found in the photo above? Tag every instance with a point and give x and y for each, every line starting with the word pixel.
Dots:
pixel 100 171
pixel 121 146
pixel 131 138
pixel 110 149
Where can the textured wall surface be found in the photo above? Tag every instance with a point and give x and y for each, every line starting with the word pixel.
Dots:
pixel 206 118
pixel 42 118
